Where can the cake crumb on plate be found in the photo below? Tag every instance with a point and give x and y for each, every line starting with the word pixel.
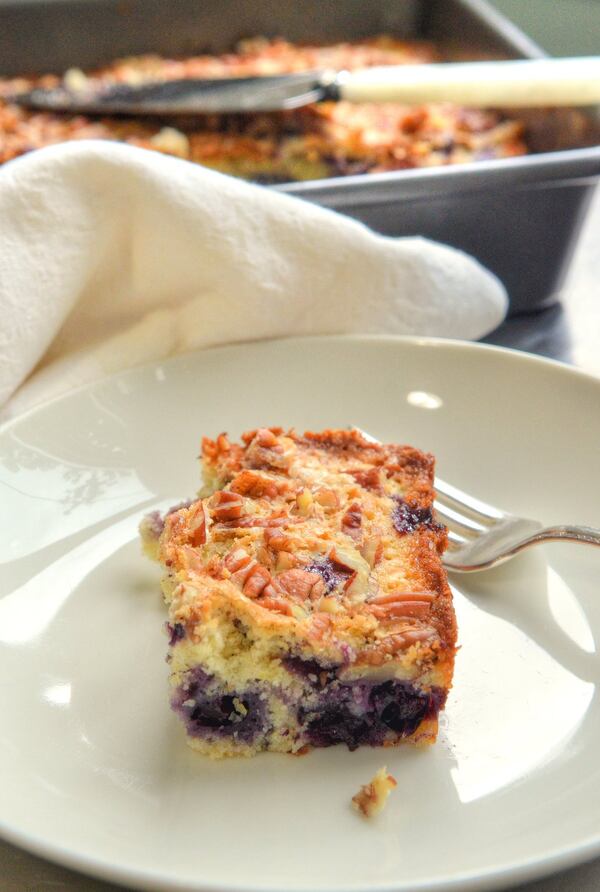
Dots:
pixel 372 797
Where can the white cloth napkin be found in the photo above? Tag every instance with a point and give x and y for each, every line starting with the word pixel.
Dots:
pixel 111 256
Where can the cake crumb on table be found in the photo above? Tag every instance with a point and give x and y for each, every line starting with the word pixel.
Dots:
pixel 372 797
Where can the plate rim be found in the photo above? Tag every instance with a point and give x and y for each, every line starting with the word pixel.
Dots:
pixel 421 341
pixel 518 870
pixel 153 881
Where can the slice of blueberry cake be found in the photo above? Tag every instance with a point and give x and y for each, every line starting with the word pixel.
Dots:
pixel 308 605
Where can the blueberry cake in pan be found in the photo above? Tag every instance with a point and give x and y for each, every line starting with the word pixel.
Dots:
pixel 308 605
pixel 325 140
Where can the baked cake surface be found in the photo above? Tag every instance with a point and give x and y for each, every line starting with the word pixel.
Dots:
pixel 328 139
pixel 308 605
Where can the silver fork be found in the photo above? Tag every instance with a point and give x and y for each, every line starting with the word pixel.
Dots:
pixel 481 536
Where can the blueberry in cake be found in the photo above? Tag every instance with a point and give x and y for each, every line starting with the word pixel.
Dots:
pixel 308 605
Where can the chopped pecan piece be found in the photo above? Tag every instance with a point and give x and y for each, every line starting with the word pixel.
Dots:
pixel 212 448
pixel 271 600
pixel 276 539
pixel 240 576
pixel 372 550
pixel 227 506
pixel 402 604
pixel 221 449
pixel 250 435
pixel 265 437
pixel 256 486
pixel 368 478
pixel 256 581
pixel 236 559
pixel 386 648
pixel 197 525
pixel 352 521
pixel 300 584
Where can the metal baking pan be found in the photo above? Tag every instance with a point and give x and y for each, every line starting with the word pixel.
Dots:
pixel 520 217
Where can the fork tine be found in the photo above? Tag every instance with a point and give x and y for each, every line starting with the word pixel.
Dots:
pixel 466 505
pixel 460 524
pixel 454 541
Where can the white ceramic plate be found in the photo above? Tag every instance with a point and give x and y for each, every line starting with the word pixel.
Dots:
pixel 94 770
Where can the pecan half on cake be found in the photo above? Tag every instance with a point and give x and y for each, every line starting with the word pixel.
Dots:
pixel 308 605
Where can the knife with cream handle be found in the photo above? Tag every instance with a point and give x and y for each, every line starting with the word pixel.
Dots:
pixel 521 83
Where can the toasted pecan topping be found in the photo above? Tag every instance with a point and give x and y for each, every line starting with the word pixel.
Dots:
pixel 242 574
pixel 368 478
pixel 236 559
pixel 319 538
pixel 417 604
pixel 344 566
pixel 250 435
pixel 401 608
pixel 277 540
pixel 227 506
pixel 300 585
pixel 257 486
pixel 272 601
pixel 197 525
pixel 372 550
pixel 396 597
pixel 267 452
pixel 210 448
pixel 387 647
pixel 351 441
pixel 412 636
pixel 256 581
pixel 352 521
pixel 265 437
pixel 222 450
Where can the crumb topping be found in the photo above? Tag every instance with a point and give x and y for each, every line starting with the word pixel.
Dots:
pixel 301 533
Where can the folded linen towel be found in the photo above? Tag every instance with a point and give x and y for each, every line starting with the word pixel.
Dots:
pixel 111 256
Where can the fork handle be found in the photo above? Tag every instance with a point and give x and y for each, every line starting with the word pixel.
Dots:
pixel 587 535
pixel 523 82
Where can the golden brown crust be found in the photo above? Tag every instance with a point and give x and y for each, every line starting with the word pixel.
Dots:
pixel 325 538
